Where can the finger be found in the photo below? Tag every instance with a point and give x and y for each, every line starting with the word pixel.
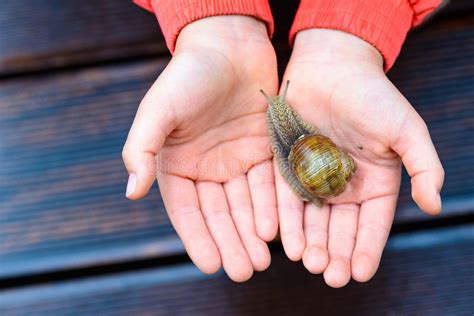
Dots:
pixel 316 220
pixel 421 160
pixel 181 202
pixel 238 196
pixel 375 220
pixel 214 207
pixel 290 214
pixel 152 124
pixel 341 240
pixel 262 189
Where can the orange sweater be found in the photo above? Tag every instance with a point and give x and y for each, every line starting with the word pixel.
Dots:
pixel 382 23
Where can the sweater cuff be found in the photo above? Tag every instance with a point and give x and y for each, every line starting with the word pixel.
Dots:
pixel 382 23
pixel 174 15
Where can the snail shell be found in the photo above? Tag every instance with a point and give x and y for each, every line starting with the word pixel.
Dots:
pixel 314 167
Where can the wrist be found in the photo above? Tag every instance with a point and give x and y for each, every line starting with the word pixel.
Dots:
pixel 225 32
pixel 336 48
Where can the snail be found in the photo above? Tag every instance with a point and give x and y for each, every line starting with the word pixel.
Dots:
pixel 314 167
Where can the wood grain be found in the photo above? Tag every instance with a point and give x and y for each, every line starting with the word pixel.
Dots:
pixel 44 34
pixel 422 273
pixel 458 6
pixel 62 181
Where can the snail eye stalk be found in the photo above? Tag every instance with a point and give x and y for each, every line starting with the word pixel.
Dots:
pixel 283 95
pixel 270 101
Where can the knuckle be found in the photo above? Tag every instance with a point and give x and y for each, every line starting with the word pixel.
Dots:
pixel 237 256
pixel 216 215
pixel 316 229
pixel 441 172
pixel 290 208
pixel 287 232
pixel 423 126
pixel 347 207
pixel 183 211
pixel 265 183
pixel 126 154
pixel 375 228
pixel 342 236
pixel 244 209
pixel 339 255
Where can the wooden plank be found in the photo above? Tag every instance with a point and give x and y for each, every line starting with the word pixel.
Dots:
pixel 62 180
pixel 422 273
pixel 44 34
pixel 459 6
pixel 41 34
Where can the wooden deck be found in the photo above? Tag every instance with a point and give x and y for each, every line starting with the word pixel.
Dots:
pixel 71 77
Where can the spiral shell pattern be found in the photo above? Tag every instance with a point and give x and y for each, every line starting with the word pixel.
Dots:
pixel 321 168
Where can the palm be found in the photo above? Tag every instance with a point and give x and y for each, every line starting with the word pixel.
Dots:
pixel 352 118
pixel 220 131
pixel 338 85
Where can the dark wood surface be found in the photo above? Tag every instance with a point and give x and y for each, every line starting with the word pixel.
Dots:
pixel 43 34
pixel 427 273
pixel 71 77
pixel 458 6
pixel 62 180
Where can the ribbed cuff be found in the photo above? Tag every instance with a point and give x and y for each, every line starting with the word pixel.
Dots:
pixel 145 4
pixel 174 15
pixel 382 23
pixel 425 9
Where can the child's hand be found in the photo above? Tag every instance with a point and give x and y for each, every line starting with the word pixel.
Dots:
pixel 205 120
pixel 338 84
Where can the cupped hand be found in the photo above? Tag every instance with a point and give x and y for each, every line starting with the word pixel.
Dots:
pixel 338 84
pixel 201 131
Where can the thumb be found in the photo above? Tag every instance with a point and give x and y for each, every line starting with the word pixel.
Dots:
pixel 153 122
pixel 421 160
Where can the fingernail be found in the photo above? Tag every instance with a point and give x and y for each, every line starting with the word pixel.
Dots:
pixel 439 201
pixel 132 183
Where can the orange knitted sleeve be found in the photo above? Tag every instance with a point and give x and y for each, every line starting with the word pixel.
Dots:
pixel 382 23
pixel 174 15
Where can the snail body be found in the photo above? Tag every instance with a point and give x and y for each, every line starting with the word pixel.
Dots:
pixel 314 167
